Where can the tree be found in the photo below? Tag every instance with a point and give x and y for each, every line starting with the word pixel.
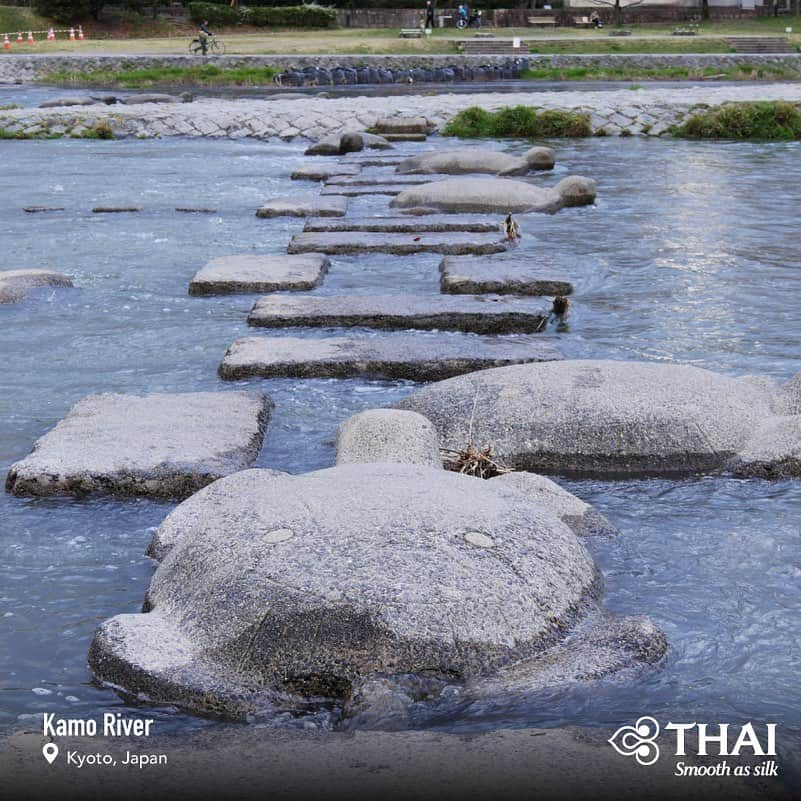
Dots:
pixel 69 10
pixel 618 7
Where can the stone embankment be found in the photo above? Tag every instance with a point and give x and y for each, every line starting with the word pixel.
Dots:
pixel 377 68
pixel 647 111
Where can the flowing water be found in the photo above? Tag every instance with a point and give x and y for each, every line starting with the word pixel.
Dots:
pixel 690 255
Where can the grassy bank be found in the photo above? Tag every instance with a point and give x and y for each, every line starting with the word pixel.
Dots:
pixel 772 121
pixel 200 75
pixel 742 72
pixel 18 18
pixel 518 122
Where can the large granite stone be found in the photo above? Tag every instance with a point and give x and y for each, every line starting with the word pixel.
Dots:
pixel 322 171
pixel 610 418
pixel 415 357
pixel 59 102
pixel 14 284
pixel 456 243
pixel 510 274
pixel 388 435
pixel 304 205
pixel 549 496
pixel 167 445
pixel 482 315
pixel 252 273
pixel 402 125
pixel 304 585
pixel 405 225
pixel 478 195
pixel 478 160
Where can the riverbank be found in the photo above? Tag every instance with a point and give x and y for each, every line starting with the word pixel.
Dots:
pixel 645 111
pixel 85 68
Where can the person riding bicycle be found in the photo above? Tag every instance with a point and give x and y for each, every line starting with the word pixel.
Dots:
pixel 461 14
pixel 203 35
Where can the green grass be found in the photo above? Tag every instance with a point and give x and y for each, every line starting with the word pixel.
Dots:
pixel 15 18
pixel 741 72
pixel 763 120
pixel 518 122
pixel 665 44
pixel 201 75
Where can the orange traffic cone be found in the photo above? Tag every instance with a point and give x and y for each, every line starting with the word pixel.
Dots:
pixel 72 34
pixel 51 35
pixel 6 43
pixel 30 38
pixel 80 33
pixel 20 40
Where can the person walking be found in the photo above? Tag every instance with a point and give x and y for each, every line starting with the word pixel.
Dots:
pixel 429 15
pixel 511 229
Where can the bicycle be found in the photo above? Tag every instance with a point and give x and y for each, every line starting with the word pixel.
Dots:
pixel 213 47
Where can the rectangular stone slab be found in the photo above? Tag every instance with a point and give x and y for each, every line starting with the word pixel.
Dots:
pixel 416 357
pixel 384 180
pixel 375 159
pixel 406 225
pixel 481 315
pixel 253 273
pixel 162 445
pixel 304 205
pixel 338 242
pixel 503 275
pixel 359 190
pixel 317 171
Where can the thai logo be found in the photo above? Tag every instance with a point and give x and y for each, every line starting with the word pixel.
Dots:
pixel 638 741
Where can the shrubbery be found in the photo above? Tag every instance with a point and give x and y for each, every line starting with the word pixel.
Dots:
pixel 765 120
pixel 215 14
pixel 523 122
pixel 307 16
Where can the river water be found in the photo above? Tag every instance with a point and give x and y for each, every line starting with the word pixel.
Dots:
pixel 690 255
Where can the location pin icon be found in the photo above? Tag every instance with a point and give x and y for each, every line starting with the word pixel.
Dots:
pixel 50 752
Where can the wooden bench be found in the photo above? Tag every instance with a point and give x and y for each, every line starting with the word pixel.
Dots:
pixel 545 22
pixel 410 33
pixel 582 22
pixel 686 30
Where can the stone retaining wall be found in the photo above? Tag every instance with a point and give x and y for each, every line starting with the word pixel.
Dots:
pixel 623 112
pixel 16 68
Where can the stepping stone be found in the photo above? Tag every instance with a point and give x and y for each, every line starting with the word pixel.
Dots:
pixel 481 315
pixel 406 225
pixel 251 273
pixel 14 284
pixel 354 190
pixel 375 160
pixel 405 137
pixel 504 275
pixel 417 357
pixel 322 172
pixel 41 209
pixel 336 242
pixel 308 205
pixel 401 125
pixel 165 445
pixel 115 209
pixel 380 180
